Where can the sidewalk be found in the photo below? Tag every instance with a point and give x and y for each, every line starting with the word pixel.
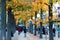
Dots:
pixel 21 36
pixel 31 37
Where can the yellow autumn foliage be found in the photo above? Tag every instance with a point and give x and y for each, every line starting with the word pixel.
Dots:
pixel 37 4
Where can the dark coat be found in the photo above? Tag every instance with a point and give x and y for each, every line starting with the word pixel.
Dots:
pixel 43 30
pixel 24 29
pixel 54 30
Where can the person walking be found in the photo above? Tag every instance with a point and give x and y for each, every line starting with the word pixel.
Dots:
pixel 54 32
pixel 58 31
pixel 46 30
pixel 19 29
pixel 43 30
pixel 25 31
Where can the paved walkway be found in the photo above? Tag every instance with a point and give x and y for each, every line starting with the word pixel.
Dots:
pixel 30 37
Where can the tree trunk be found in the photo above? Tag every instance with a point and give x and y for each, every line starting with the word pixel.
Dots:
pixel 41 24
pixel 3 19
pixel 50 23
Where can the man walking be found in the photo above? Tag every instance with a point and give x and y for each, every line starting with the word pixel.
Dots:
pixel 24 31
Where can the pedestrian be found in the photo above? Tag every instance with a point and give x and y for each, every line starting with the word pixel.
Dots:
pixel 24 31
pixel 38 30
pixel 46 30
pixel 43 30
pixel 58 31
pixel 19 29
pixel 11 34
pixel 54 32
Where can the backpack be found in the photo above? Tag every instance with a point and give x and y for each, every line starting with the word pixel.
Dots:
pixel 19 29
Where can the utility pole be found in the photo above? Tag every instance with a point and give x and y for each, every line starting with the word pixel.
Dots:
pixel 2 19
pixel 50 21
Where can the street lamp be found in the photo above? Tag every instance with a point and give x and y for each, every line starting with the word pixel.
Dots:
pixel 33 17
pixel 38 15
